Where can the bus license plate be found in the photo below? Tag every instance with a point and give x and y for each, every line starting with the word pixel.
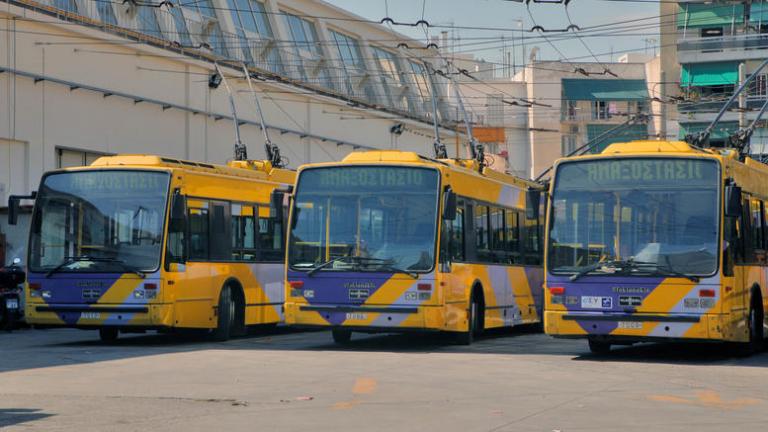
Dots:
pixel 595 302
pixel 631 325
pixel 11 304
pixel 356 316
pixel 90 315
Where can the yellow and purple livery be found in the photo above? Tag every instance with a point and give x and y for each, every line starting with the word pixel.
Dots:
pixel 137 242
pixel 389 241
pixel 657 240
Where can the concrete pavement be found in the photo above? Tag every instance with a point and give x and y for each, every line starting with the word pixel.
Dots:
pixel 284 380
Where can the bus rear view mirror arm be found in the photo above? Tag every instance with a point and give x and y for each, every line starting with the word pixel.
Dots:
pixel 14 204
pixel 178 208
pixel 532 202
pixel 732 201
pixel 449 204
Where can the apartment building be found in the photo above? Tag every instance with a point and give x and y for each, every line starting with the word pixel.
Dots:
pixel 708 49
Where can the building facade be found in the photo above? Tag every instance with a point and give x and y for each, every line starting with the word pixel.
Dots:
pixel 572 104
pixel 708 49
pixel 84 78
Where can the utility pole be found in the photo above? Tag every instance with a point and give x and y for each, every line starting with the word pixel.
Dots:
pixel 663 97
pixel 742 97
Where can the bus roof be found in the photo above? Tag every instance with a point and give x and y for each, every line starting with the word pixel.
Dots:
pixel 648 146
pixel 399 157
pixel 253 169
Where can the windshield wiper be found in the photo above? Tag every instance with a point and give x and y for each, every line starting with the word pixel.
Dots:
pixel 69 260
pixel 327 263
pixel 668 270
pixel 613 264
pixel 382 264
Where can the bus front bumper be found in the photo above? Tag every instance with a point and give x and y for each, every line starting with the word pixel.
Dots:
pixel 99 315
pixel 368 318
pixel 638 327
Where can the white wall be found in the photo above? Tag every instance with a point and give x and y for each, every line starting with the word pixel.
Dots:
pixel 36 118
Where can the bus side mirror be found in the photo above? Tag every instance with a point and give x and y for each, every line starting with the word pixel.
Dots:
pixel 449 204
pixel 178 209
pixel 276 206
pixel 532 203
pixel 732 201
pixel 14 204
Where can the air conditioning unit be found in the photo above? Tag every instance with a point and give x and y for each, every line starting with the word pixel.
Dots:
pixel 314 66
pixel 200 31
pixel 127 11
pixel 400 90
pixel 360 80
pixel 262 48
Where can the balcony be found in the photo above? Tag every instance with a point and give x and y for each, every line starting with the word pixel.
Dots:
pixel 739 46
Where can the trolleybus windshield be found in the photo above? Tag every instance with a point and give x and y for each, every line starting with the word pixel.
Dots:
pixel 99 221
pixel 657 214
pixel 365 218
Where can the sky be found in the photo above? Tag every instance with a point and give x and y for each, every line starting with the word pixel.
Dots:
pixel 501 14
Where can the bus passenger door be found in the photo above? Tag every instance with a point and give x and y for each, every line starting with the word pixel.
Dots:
pixel 190 283
pixel 736 275
pixel 453 270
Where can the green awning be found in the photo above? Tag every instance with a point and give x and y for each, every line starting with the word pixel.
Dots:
pixel 604 89
pixel 694 15
pixel 632 133
pixel 758 13
pixel 708 74
pixel 721 131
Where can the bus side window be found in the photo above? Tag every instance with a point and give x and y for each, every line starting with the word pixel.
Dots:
pixel 764 219
pixel 757 224
pixel 745 233
pixel 270 237
pixel 198 233
pixel 731 237
pixel 243 233
pixel 496 228
pixel 220 238
pixel 176 251
pixel 455 235
pixel 482 230
pixel 512 226
pixel 532 242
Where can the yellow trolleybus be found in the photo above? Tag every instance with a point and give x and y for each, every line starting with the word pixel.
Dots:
pixel 657 240
pixel 389 241
pixel 132 243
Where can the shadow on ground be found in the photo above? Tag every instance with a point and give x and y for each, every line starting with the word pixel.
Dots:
pixel 17 416
pixel 28 349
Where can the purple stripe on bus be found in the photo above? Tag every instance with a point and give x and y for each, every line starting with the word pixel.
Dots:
pixel 612 287
pixel 67 289
pixel 333 288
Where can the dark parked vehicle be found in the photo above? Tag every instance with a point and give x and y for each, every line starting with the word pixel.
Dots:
pixel 11 295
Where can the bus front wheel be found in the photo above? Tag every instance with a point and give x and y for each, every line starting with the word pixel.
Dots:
pixel 755 322
pixel 226 316
pixel 473 314
pixel 341 336
pixel 599 347
pixel 108 334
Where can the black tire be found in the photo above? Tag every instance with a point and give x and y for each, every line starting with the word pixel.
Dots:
pixel 226 316
pixel 108 334
pixel 341 336
pixel 473 318
pixel 599 347
pixel 755 323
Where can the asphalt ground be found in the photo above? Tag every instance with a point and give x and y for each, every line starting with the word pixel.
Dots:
pixel 284 380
